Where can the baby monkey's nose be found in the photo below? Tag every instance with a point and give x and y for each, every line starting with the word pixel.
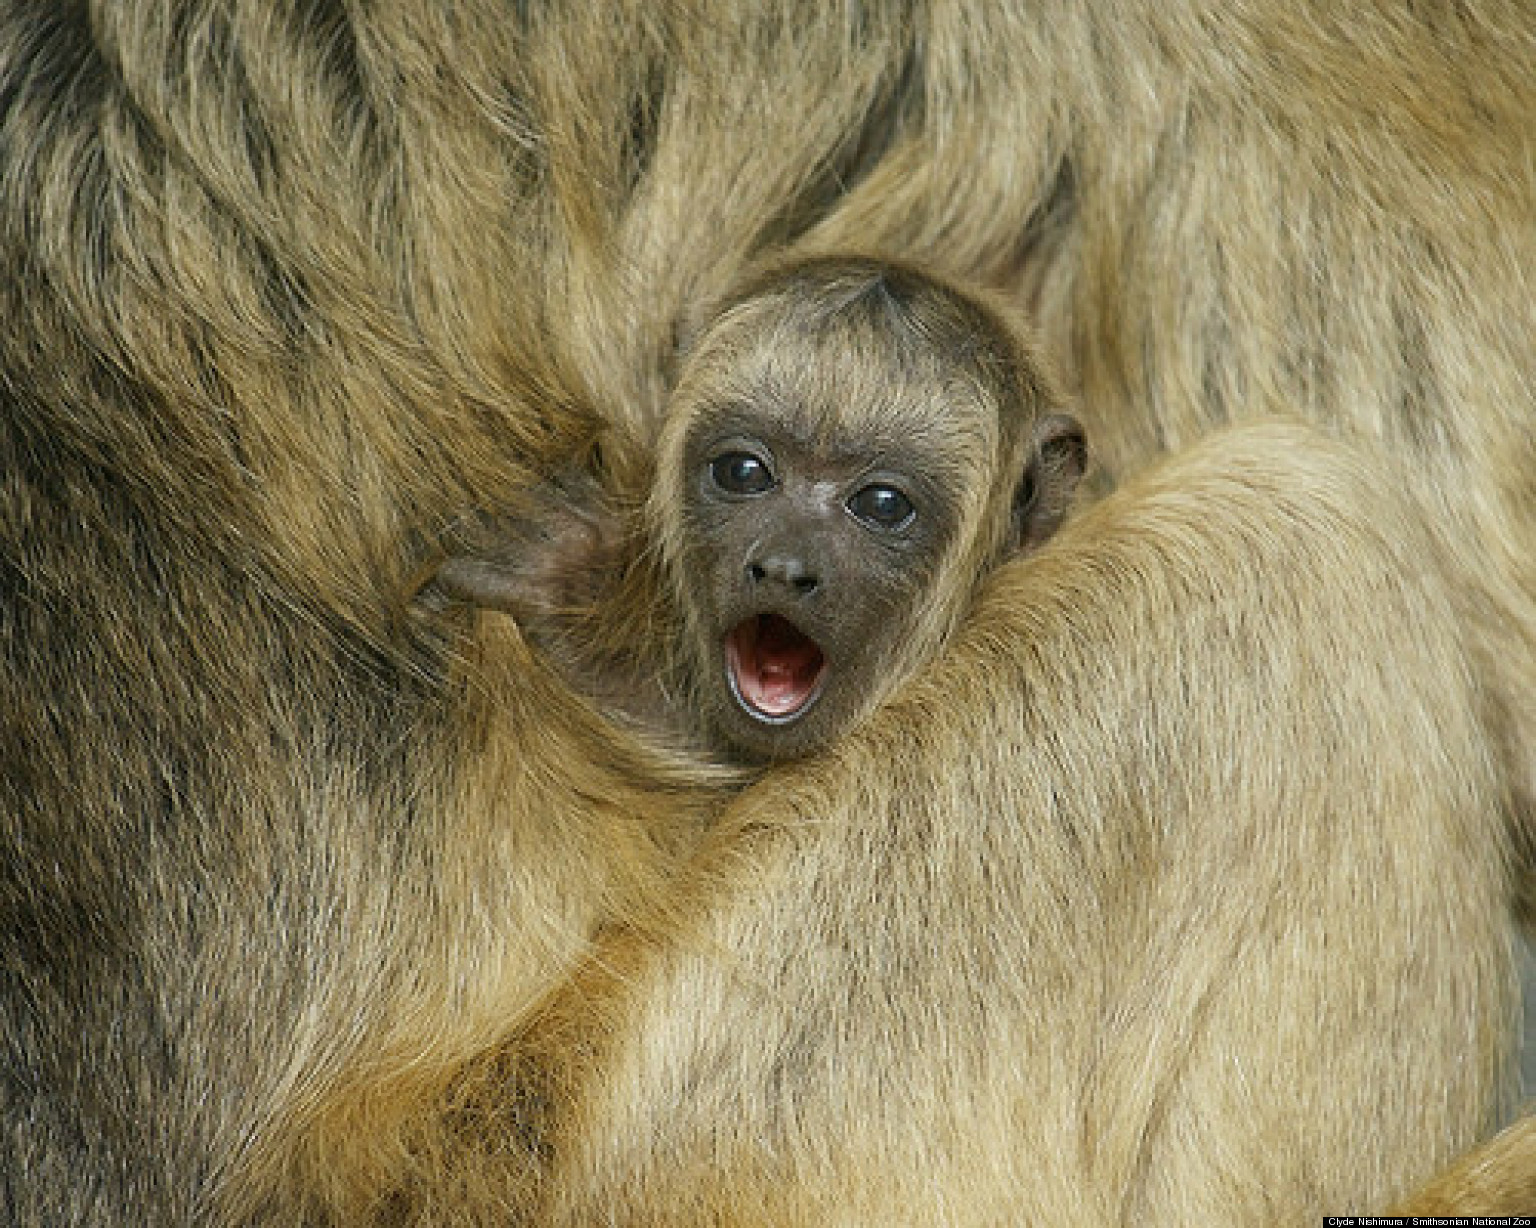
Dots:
pixel 785 570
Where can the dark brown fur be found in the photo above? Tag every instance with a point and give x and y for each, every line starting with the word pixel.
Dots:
pixel 294 885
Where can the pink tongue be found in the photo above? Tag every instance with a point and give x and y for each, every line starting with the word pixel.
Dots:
pixel 777 665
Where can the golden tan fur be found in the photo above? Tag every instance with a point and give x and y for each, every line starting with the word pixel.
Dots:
pixel 308 903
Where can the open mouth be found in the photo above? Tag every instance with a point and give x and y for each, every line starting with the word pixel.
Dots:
pixel 776 670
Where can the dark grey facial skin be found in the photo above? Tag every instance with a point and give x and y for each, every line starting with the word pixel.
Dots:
pixel 788 539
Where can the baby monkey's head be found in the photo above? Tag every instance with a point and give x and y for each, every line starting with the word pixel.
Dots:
pixel 851 446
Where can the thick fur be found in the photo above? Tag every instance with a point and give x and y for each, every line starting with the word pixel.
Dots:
pixel 293 882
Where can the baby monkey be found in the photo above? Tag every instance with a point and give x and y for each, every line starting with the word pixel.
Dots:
pixel 851 446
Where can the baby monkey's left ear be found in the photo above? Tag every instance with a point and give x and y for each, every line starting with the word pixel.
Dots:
pixel 1058 455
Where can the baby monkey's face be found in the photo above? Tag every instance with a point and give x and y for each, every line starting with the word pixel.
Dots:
pixel 809 558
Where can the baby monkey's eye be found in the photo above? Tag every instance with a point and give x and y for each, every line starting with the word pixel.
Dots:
pixel 740 473
pixel 885 507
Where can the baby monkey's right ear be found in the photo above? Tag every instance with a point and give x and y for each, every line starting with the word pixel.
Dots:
pixel 1057 459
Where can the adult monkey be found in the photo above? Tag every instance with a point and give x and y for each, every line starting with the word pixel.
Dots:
pixel 285 291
